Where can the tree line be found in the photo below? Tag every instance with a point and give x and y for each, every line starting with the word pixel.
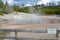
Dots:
pixel 50 10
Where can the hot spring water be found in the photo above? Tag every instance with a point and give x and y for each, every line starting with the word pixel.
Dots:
pixel 22 18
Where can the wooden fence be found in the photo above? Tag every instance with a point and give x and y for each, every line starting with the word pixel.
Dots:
pixel 26 30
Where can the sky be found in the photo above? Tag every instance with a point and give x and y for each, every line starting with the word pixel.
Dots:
pixel 28 2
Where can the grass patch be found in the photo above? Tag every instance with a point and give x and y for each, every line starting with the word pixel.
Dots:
pixel 1 12
pixel 3 33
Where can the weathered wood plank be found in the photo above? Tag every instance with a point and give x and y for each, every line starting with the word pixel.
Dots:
pixel 23 30
pixel 2 37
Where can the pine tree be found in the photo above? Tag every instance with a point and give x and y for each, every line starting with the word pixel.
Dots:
pixel 7 8
pixel 16 8
pixel 1 4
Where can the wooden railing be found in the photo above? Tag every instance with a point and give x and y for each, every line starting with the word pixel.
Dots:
pixel 25 30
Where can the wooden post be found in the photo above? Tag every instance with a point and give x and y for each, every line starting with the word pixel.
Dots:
pixel 57 34
pixel 15 35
